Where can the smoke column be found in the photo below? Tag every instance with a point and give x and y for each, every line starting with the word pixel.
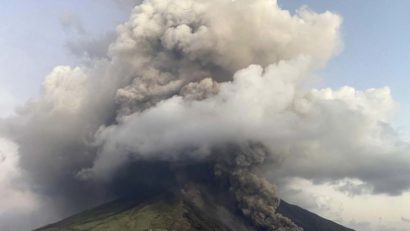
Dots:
pixel 186 77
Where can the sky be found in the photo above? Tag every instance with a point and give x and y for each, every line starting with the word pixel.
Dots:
pixel 375 48
pixel 374 36
pixel 34 39
pixel 36 36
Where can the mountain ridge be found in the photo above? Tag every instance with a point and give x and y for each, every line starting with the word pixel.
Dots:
pixel 171 212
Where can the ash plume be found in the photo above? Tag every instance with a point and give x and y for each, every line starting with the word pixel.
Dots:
pixel 255 196
pixel 185 77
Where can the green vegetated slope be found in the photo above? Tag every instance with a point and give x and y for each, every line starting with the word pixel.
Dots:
pixel 157 215
pixel 168 213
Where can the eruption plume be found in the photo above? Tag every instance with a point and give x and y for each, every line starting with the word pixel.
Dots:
pixel 195 81
pixel 255 196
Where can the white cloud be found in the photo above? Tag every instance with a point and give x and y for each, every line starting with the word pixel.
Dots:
pixel 364 212
pixel 16 197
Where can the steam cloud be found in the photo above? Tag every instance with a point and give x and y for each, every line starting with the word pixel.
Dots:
pixel 186 76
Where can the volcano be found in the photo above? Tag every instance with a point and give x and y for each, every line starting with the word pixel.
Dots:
pixel 199 196
pixel 173 212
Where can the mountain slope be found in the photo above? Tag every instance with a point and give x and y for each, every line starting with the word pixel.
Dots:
pixel 169 212
pixel 307 220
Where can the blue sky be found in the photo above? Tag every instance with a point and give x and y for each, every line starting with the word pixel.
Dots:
pixel 32 38
pixel 375 34
pixel 376 48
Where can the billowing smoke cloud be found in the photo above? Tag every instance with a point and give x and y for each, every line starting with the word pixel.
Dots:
pixel 15 196
pixel 186 76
